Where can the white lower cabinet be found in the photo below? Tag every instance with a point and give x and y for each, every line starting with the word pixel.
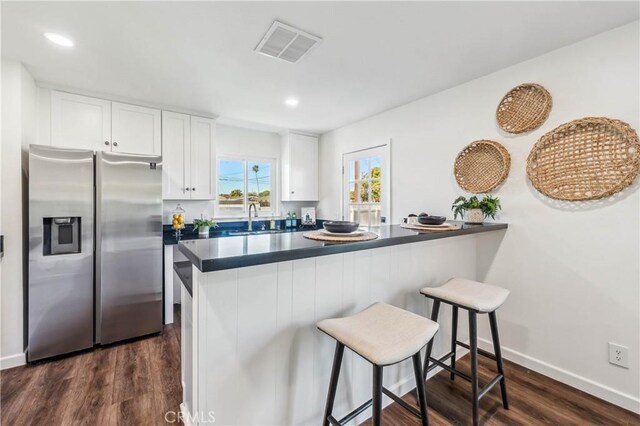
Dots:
pixel 188 145
pixel 186 352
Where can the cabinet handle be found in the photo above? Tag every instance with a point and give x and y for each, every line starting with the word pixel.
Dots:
pixel 193 189
pixel 293 192
pixel 187 189
pixel 115 144
pixel 106 142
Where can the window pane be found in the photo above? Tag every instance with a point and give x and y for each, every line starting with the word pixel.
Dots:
pixel 364 191
pixel 352 173
pixel 376 167
pixel 352 192
pixel 375 191
pixel 259 183
pixel 231 185
pixel 364 168
pixel 353 214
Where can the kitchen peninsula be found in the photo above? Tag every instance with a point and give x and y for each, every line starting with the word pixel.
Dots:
pixel 251 352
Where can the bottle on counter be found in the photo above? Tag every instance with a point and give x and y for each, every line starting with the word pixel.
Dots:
pixel 294 220
pixel 272 223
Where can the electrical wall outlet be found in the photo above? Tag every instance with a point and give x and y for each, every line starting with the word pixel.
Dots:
pixel 619 355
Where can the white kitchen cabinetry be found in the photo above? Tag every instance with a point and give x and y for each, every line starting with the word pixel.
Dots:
pixel 80 122
pixel 186 350
pixel 188 157
pixel 90 123
pixel 135 129
pixel 299 167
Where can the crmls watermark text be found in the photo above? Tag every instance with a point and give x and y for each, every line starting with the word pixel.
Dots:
pixel 188 418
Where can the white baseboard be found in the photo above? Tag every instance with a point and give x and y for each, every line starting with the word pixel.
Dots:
pixel 589 386
pixel 13 361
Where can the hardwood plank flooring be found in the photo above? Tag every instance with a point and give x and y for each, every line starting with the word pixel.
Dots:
pixel 137 382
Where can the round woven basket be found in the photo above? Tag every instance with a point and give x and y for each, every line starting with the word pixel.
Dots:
pixel 524 108
pixel 481 166
pixel 586 159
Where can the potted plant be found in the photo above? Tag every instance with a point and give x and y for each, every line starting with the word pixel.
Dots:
pixel 203 226
pixel 476 209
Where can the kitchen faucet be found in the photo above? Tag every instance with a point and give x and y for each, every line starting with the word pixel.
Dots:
pixel 255 207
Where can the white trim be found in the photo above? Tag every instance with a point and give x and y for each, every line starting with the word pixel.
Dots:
pixel 185 414
pixel 584 384
pixel 13 361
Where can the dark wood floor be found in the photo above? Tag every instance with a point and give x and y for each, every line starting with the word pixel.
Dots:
pixel 136 383
pixel 132 383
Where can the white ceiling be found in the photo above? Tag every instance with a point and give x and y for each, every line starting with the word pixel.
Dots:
pixel 374 56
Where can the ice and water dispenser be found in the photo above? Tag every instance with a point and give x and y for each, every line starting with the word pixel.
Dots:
pixel 62 235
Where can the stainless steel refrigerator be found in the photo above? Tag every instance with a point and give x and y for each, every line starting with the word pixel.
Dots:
pixel 95 249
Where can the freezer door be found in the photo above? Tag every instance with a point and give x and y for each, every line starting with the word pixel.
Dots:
pixel 60 290
pixel 129 246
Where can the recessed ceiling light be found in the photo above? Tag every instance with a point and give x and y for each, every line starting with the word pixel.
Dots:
pixel 59 40
pixel 291 102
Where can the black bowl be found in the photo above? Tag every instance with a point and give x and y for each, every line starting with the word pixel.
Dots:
pixel 341 226
pixel 431 220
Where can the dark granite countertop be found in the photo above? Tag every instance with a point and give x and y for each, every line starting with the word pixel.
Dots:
pixel 224 228
pixel 185 273
pixel 216 254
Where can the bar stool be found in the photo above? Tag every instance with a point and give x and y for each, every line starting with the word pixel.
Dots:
pixel 383 335
pixel 477 298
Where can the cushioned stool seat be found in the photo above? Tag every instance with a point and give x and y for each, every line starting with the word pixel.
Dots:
pixel 469 294
pixel 382 334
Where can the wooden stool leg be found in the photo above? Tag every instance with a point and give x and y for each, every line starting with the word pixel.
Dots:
pixel 473 346
pixel 377 395
pixel 454 337
pixel 333 382
pixel 420 388
pixel 498 352
pixel 434 317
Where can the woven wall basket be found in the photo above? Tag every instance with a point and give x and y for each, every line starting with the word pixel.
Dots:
pixel 586 159
pixel 481 166
pixel 524 108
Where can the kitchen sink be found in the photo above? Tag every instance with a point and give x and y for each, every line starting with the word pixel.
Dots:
pixel 266 231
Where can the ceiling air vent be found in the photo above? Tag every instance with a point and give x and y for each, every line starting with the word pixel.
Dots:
pixel 287 43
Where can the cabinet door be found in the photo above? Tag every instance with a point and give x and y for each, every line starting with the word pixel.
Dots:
pixel 303 168
pixel 203 133
pixel 135 129
pixel 80 122
pixel 176 147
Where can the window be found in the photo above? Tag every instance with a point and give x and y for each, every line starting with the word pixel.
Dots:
pixel 243 181
pixel 365 179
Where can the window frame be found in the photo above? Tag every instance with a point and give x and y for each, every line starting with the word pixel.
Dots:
pixel 384 152
pixel 221 212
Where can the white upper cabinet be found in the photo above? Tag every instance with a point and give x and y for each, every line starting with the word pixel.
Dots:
pixel 187 157
pixel 80 122
pixel 90 123
pixel 299 167
pixel 203 133
pixel 176 146
pixel 135 129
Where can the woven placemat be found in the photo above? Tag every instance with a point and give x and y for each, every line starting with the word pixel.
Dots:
pixel 321 236
pixel 426 228
pixel 524 108
pixel 481 166
pixel 586 159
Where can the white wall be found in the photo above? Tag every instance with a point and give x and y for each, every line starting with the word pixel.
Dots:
pixel 18 131
pixel 573 269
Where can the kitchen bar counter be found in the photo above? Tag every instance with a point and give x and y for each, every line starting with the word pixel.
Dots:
pixel 249 326
pixel 215 254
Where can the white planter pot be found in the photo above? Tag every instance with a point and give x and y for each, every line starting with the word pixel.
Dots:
pixel 475 216
pixel 203 231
